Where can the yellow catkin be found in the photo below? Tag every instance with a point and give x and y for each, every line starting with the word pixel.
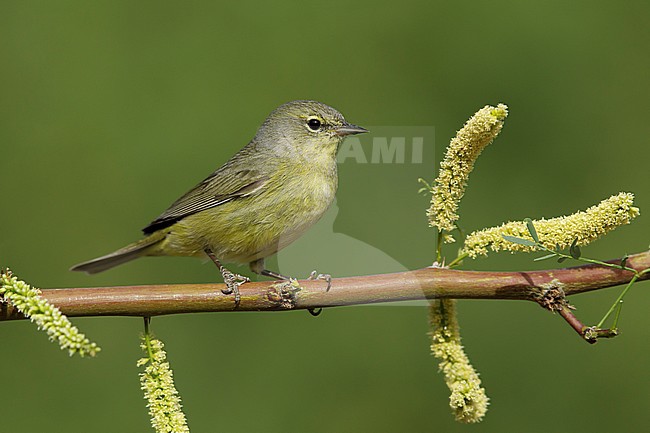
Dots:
pixel 584 226
pixel 467 400
pixel 449 187
pixel 46 316
pixel 157 382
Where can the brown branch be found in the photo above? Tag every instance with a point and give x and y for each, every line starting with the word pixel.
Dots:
pixel 428 283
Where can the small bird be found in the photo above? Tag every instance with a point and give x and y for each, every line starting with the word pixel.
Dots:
pixel 258 202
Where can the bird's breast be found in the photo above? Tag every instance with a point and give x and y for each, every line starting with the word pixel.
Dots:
pixel 258 225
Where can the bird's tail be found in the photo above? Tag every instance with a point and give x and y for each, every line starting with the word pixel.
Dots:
pixel 123 255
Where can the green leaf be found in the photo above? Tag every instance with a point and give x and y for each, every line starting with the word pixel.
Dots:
pixel 531 229
pixel 520 241
pixel 548 256
pixel 574 249
pixel 561 259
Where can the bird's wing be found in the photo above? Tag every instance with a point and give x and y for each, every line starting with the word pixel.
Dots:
pixel 224 185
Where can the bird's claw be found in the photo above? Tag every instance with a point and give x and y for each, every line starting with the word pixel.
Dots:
pixel 233 281
pixel 326 277
pixel 315 311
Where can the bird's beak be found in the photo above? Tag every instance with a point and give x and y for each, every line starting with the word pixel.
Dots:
pixel 349 129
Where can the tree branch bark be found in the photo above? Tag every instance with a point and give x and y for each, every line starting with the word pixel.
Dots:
pixel 427 283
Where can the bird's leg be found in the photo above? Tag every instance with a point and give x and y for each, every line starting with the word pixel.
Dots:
pixel 258 267
pixel 272 274
pixel 232 280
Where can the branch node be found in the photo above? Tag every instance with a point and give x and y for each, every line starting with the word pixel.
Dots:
pixel 592 333
pixel 552 297
pixel 284 294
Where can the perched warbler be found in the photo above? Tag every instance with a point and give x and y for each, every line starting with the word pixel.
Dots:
pixel 257 203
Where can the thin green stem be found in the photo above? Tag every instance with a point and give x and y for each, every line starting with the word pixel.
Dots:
pixel 619 299
pixel 443 315
pixel 457 260
pixel 588 260
pixel 147 336
pixel 439 247
pixel 616 316
pixel 608 265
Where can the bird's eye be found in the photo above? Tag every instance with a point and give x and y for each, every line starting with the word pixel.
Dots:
pixel 314 124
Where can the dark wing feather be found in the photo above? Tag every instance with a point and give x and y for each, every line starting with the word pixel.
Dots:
pixel 224 185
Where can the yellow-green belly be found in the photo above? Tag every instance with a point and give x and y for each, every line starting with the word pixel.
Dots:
pixel 254 227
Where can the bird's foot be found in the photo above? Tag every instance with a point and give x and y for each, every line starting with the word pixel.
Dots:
pixel 233 281
pixel 325 277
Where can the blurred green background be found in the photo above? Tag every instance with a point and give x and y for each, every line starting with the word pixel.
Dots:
pixel 112 109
